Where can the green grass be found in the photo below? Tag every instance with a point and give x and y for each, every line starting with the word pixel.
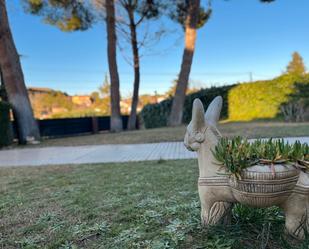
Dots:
pixel 168 134
pixel 130 205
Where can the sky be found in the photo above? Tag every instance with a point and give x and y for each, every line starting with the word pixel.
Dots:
pixel 243 40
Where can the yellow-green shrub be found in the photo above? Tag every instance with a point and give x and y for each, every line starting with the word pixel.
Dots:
pixel 261 99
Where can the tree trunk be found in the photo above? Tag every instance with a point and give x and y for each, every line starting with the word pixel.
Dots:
pixel 14 83
pixel 133 114
pixel 182 84
pixel 116 120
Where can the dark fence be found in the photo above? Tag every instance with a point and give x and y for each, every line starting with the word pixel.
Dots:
pixel 74 126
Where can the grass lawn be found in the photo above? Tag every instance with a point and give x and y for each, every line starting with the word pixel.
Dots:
pixel 248 129
pixel 131 205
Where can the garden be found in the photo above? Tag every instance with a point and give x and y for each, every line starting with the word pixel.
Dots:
pixel 109 166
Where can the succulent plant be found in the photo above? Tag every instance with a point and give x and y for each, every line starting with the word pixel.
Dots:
pixel 238 153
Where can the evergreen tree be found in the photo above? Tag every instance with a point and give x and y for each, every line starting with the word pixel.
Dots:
pixel 296 65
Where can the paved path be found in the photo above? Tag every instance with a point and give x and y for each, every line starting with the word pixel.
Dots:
pixel 100 154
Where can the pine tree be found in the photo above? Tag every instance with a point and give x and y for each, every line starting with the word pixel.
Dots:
pixel 296 65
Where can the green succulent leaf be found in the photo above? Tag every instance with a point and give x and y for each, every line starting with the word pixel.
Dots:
pixel 238 153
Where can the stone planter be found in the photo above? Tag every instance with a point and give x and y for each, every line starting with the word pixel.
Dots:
pixel 260 187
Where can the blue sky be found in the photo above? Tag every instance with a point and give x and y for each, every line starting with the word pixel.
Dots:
pixel 242 36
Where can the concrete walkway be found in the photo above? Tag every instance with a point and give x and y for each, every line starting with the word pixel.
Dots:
pixel 100 154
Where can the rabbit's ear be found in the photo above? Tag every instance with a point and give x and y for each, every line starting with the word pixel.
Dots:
pixel 212 114
pixel 197 115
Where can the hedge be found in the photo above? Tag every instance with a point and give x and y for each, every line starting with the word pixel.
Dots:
pixel 5 129
pixel 261 99
pixel 156 115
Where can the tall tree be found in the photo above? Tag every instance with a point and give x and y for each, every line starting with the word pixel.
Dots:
pixel 191 16
pixel 144 10
pixel 14 83
pixel 296 65
pixel 116 121
pixel 72 15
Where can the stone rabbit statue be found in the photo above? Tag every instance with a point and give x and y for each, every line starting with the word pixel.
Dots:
pixel 288 188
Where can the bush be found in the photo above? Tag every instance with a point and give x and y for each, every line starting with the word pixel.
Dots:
pixel 156 115
pixel 206 96
pixel 261 99
pixel 296 109
pixel 5 125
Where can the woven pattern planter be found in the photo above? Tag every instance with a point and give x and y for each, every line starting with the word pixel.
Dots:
pixel 260 187
pixel 282 185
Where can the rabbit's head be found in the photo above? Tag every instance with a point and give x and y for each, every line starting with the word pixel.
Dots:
pixel 200 122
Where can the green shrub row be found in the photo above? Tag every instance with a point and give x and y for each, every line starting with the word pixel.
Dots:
pixel 241 102
pixel 206 96
pixel 5 122
pixel 261 99
pixel 156 115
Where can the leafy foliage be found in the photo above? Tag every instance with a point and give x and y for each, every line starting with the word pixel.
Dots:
pixel 180 10
pixel 67 15
pixel 6 137
pixel 242 102
pixel 296 108
pixel 237 154
pixel 301 93
pixel 262 99
pixel 148 8
pixel 156 115
pixel 206 96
